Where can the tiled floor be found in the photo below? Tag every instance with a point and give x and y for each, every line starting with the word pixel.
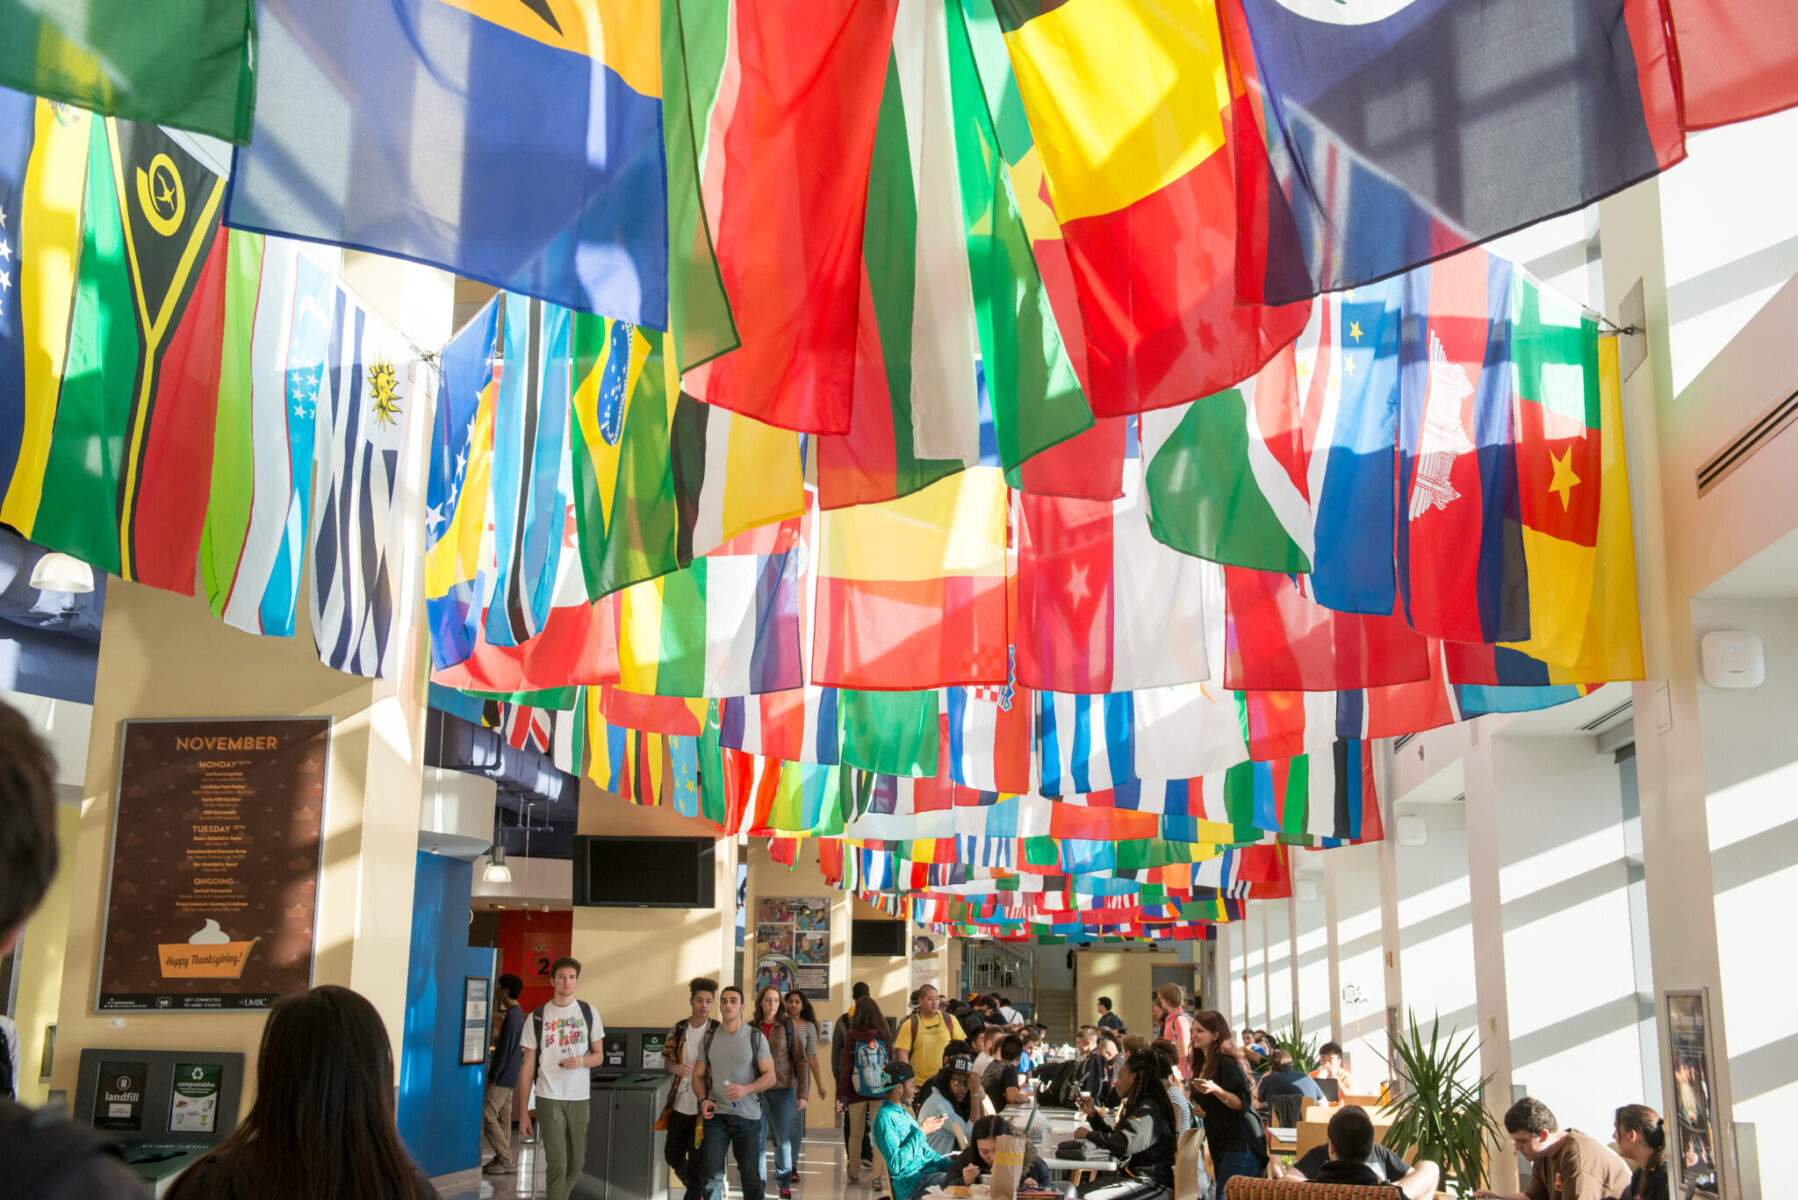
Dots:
pixel 821 1176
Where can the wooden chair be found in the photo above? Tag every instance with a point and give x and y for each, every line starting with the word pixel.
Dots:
pixel 961 1139
pixel 1376 1100
pixel 1191 1182
pixel 1248 1187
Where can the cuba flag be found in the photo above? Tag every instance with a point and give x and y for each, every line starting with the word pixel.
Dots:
pixel 518 142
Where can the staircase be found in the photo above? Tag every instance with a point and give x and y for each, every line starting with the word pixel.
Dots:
pixel 1055 1008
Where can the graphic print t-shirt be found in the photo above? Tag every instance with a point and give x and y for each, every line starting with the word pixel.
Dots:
pixel 565 1035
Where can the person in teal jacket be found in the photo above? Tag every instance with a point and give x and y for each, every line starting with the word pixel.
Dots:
pixel 903 1143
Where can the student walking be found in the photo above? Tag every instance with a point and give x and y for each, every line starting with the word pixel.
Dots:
pixel 502 1078
pixel 734 1067
pixel 680 1116
pixel 570 1035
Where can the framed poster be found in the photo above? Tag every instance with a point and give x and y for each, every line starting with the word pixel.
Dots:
pixel 475 990
pixel 1695 1159
pixel 925 967
pixel 792 945
pixel 213 882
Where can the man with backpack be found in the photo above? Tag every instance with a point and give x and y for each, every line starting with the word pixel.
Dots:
pixel 45 1156
pixel 734 1065
pixel 680 1116
pixel 570 1037
pixel 925 1034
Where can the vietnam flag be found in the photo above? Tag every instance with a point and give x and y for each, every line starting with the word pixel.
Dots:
pixel 1132 111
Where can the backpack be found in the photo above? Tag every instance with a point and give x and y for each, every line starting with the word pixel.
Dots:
pixel 537 1030
pixel 1058 1084
pixel 705 1051
pixel 46 1149
pixel 871 1068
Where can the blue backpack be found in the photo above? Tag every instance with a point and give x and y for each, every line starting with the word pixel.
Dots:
pixel 871 1067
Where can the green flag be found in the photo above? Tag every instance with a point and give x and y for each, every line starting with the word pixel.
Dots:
pixel 185 63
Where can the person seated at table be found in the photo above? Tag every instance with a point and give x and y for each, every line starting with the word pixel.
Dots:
pixel 1329 1066
pixel 1565 1163
pixel 1089 1075
pixel 1001 1081
pixel 1282 1079
pixel 1165 1050
pixel 1111 1049
pixel 902 1141
pixel 1144 1138
pixel 950 1095
pixel 984 1044
pixel 977 1159
pixel 1354 1156
pixel 1641 1138
pixel 1032 1057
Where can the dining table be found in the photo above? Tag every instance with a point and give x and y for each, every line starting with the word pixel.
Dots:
pixel 1062 1122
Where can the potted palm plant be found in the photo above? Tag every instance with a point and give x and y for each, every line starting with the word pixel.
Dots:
pixel 1436 1110
pixel 1302 1048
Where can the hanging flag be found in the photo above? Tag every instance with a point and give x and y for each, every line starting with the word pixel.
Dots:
pixel 1084 743
pixel 189 64
pixel 531 480
pixel 989 735
pixel 457 499
pixel 792 98
pixel 526 728
pixel 798 725
pixel 659 478
pixel 911 593
pixel 1281 641
pixel 1135 118
pixel 1102 605
pixel 1225 475
pixel 395 127
pixel 43 176
pixel 891 733
pixel 1342 197
pixel 277 322
pixel 1737 59
pixel 1462 576
pixel 130 455
pixel 371 385
pixel 652 714
pixel 726 626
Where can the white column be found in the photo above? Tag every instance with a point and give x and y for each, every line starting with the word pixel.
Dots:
pixel 1332 947
pixel 1489 945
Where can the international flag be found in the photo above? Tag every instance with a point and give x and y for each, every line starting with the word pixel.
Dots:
pixel 1226 476
pixel 129 460
pixel 517 144
pixel 527 728
pixel 726 626
pixel 373 386
pixel 1280 640
pixel 659 478
pixel 278 301
pixel 458 547
pixel 911 593
pixel 799 724
pixel 786 798
pixel 990 729
pixel 1737 59
pixel 1084 743
pixel 189 64
pixel 1102 605
pixel 1388 135
pixel 1462 573
pixel 1134 115
pixel 791 100
pixel 891 733
pixel 683 716
pixel 531 483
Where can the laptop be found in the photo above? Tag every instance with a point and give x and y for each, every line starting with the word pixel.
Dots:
pixel 1332 1089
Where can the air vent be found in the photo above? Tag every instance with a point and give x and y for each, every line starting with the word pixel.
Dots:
pixel 1605 718
pixel 1460 799
pixel 1717 468
pixel 1403 740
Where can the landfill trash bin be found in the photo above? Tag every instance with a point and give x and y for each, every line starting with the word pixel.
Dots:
pixel 624 1148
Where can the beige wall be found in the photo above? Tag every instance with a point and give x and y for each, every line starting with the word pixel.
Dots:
pixel 163 655
pixel 1125 976
pixel 636 961
pixel 41 955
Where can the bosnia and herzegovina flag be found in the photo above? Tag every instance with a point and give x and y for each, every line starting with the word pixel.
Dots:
pixel 1134 114
pixel 1396 131
pixel 517 142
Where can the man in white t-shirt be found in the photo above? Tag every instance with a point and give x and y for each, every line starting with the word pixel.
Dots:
pixel 571 1036
pixel 680 1053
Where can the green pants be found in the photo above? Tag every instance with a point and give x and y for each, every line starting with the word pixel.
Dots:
pixel 562 1128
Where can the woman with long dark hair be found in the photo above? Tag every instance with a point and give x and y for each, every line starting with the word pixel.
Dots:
pixel 1222 1086
pixel 791 1083
pixel 865 1037
pixel 1144 1136
pixel 1641 1138
pixel 983 1145
pixel 323 1122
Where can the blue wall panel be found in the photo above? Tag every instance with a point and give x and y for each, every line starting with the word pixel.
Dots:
pixel 440 1100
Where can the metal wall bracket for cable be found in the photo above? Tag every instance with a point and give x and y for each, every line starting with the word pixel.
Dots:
pixel 1632 333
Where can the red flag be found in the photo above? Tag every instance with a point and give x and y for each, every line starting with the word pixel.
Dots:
pixel 1276 638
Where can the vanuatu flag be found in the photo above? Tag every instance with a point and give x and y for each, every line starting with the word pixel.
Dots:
pixel 130 458
pixel 186 63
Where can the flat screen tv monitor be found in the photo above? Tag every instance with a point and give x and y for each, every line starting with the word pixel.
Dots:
pixel 644 872
pixel 877 939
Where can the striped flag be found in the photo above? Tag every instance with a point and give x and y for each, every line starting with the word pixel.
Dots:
pixel 277 319
pixel 989 735
pixel 1084 743
pixel 371 383
pixel 799 724
pixel 531 480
